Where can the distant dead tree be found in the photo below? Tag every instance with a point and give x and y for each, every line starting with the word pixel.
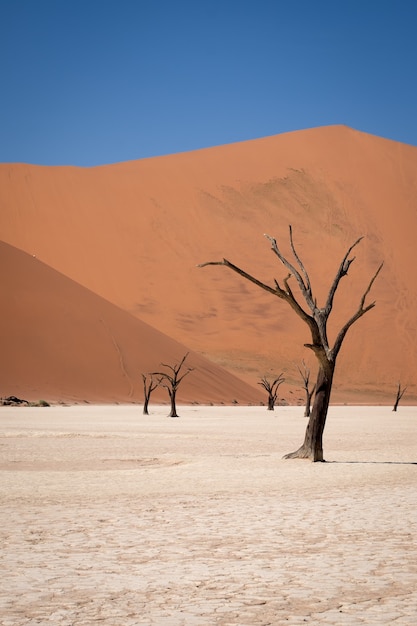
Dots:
pixel 305 375
pixel 149 385
pixel 400 393
pixel 271 387
pixel 171 381
pixel 316 319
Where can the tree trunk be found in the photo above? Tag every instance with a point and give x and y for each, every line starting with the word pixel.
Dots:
pixel 145 406
pixel 271 403
pixel 312 447
pixel 400 393
pixel 173 412
pixel 307 410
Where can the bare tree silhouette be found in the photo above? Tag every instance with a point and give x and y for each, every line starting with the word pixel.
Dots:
pixel 171 381
pixel 305 375
pixel 400 393
pixel 148 386
pixel 271 387
pixel 316 319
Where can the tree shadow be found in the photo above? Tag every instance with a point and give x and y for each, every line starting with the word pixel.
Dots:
pixel 375 462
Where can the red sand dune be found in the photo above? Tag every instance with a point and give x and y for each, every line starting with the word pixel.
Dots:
pixel 134 232
pixel 62 341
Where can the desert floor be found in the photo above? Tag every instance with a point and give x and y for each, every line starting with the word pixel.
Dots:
pixel 115 518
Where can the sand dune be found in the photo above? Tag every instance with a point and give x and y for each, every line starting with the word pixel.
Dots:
pixel 62 342
pixel 134 232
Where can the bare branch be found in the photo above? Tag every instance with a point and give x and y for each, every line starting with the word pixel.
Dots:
pixel 152 384
pixel 287 286
pixel 293 271
pixel 400 391
pixel 175 369
pixel 342 271
pixel 370 285
pixel 303 269
pixel 285 294
pixel 306 374
pixel 269 385
pixel 306 377
pixel 276 292
pixel 362 309
pixel 211 263
pixel 182 361
pixel 162 375
pixel 403 392
pixel 190 369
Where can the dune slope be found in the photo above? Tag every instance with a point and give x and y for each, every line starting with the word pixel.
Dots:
pixel 134 232
pixel 61 342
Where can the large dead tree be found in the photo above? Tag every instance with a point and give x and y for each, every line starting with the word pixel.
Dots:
pixel 271 387
pixel 171 381
pixel 305 375
pixel 316 319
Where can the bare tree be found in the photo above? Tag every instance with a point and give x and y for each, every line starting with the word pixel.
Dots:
pixel 400 393
pixel 271 387
pixel 305 375
pixel 148 386
pixel 171 381
pixel 316 319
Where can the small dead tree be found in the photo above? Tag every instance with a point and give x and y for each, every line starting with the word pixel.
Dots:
pixel 305 375
pixel 271 387
pixel 149 385
pixel 171 381
pixel 400 393
pixel 316 319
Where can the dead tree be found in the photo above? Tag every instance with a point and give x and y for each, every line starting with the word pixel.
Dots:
pixel 400 393
pixel 271 387
pixel 316 319
pixel 305 375
pixel 148 386
pixel 171 381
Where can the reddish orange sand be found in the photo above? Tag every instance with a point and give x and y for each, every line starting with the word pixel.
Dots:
pixel 133 233
pixel 65 342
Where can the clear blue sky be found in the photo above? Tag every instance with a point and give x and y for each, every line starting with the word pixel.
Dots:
pixel 86 82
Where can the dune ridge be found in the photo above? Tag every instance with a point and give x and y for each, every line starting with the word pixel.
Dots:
pixel 134 232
